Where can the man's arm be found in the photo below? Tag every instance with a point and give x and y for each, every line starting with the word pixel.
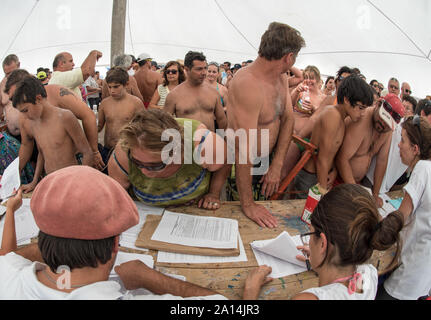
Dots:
pixel 326 155
pixel 170 104
pixel 297 77
pixel 101 116
pixel 135 275
pixel 89 64
pixel 352 141
pixel 40 163
pixel 77 135
pixel 8 243
pixel 379 172
pixel 105 90
pixel 134 88
pixel 271 180
pixel 154 100
pixel 219 114
pixel 27 145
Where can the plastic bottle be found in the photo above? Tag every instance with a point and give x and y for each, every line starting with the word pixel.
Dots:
pixel 305 97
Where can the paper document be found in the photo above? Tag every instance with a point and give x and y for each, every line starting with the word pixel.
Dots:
pixel 197 231
pixel 387 206
pixel 25 226
pixel 10 180
pixel 123 257
pixel 171 257
pixel 128 238
pixel 268 252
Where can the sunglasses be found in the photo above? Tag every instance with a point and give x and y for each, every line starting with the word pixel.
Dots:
pixel 395 115
pixel 417 123
pixel 171 71
pixel 408 91
pixel 155 167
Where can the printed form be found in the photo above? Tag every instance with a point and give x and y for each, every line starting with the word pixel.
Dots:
pixel 197 231
pixel 10 180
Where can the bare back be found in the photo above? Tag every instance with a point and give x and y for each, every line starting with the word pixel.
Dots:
pixel 147 81
pixel 115 114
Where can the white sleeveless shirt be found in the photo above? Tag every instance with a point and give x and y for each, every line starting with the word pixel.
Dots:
pixel 338 291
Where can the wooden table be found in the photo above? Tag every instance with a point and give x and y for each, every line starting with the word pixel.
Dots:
pixel 228 278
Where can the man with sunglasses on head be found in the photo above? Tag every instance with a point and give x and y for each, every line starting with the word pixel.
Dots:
pixel 147 79
pixel 368 138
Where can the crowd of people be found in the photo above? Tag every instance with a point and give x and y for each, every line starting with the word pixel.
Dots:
pixel 195 131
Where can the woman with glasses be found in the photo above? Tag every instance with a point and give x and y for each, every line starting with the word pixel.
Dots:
pixel 161 171
pixel 345 230
pixel 212 78
pixel 173 75
pixel 412 279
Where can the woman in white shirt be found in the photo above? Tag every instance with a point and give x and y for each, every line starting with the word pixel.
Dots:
pixel 345 230
pixel 412 279
pixel 173 75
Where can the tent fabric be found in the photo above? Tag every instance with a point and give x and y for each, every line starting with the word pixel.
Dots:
pixel 382 38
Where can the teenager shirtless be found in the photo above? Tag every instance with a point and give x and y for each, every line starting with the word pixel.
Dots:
pixel 56 131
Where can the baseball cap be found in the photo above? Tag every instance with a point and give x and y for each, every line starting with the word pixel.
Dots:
pixel 392 110
pixel 143 56
pixel 237 66
pixel 80 202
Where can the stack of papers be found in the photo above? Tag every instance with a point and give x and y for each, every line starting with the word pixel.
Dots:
pixel 197 231
pixel 280 254
pixel 25 226
pixel 170 257
pixel 123 257
pixel 128 237
pixel 10 180
pixel 389 205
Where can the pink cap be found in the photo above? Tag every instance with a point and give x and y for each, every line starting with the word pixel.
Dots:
pixel 79 202
pixel 396 112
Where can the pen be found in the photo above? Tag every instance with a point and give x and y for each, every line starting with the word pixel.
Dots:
pixel 307 262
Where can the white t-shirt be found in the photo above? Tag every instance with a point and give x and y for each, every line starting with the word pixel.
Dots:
pixel 69 79
pixel 338 291
pixel 90 82
pixel 19 282
pixel 412 279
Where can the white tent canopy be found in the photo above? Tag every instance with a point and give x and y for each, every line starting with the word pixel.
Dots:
pixel 382 38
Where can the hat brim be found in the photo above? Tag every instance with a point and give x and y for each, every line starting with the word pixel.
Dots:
pixel 387 118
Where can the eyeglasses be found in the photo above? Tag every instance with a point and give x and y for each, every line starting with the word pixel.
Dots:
pixel 408 91
pixel 417 123
pixel 376 86
pixel 156 167
pixel 171 71
pixel 340 78
pixel 395 115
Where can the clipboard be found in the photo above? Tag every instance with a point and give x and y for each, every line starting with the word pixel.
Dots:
pixel 150 225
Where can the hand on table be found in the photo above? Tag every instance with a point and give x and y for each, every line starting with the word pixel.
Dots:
pixel 260 215
pixel 131 273
pixel 209 201
pixel 257 278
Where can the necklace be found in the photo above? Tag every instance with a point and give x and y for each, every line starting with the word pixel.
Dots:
pixel 50 279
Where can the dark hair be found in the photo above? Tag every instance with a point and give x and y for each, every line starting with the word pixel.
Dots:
pixel 342 70
pixel 58 58
pixel 181 75
pixel 27 91
pixel 372 82
pixel 419 136
pixel 74 253
pixel 349 218
pixel 424 105
pixel 327 80
pixel 15 77
pixel 412 100
pixel 356 71
pixel 40 69
pixel 10 59
pixel 279 40
pixel 228 63
pixel 355 90
pixel 117 75
pixel 192 56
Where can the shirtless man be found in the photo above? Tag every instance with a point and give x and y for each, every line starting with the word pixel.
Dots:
pixel 63 98
pixel 367 138
pixel 195 98
pixel 147 80
pixel 11 115
pixel 116 110
pixel 125 61
pixel 56 131
pixel 354 96
pixel 259 99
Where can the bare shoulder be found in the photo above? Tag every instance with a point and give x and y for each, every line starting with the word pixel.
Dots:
pixel 245 89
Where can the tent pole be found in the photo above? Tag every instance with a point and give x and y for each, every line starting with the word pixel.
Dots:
pixel 118 30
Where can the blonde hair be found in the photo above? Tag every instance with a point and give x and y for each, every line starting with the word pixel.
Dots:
pixel 146 130
pixel 312 69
